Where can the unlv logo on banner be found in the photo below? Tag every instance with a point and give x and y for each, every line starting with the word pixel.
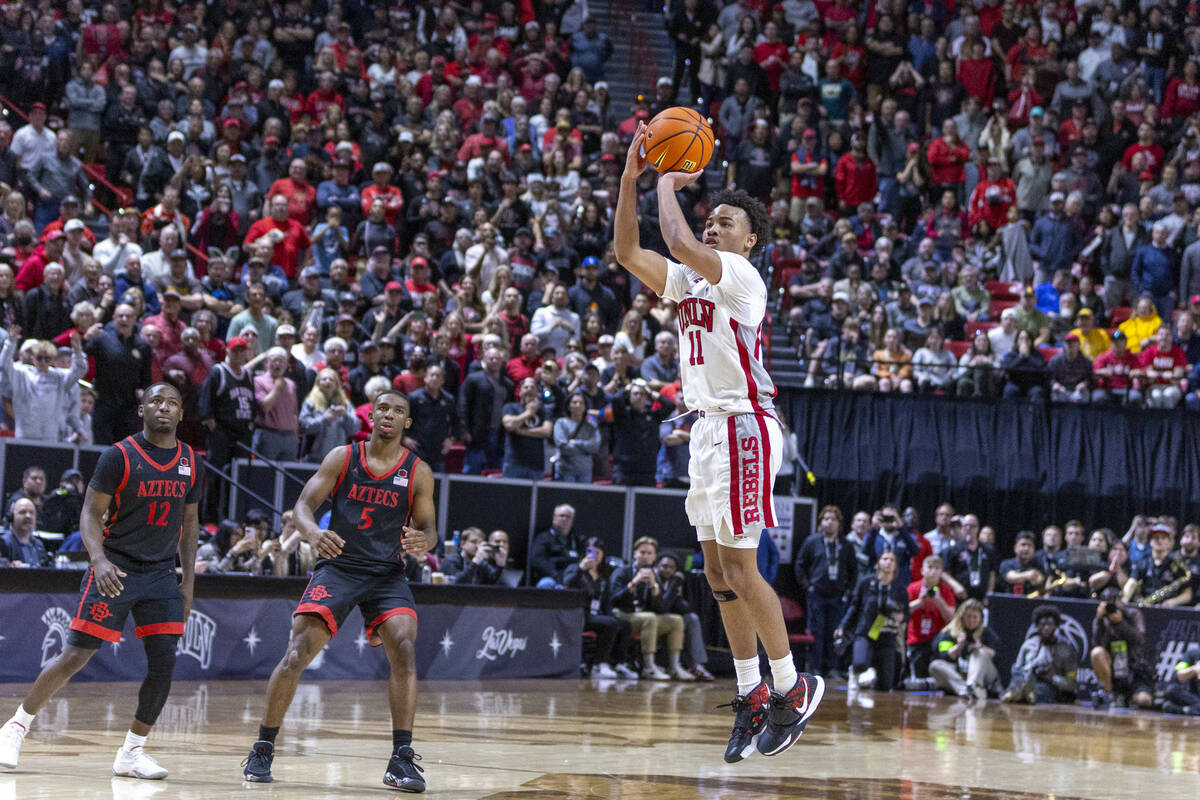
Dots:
pixel 197 639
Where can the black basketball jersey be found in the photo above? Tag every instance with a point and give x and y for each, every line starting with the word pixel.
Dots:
pixel 150 487
pixel 370 511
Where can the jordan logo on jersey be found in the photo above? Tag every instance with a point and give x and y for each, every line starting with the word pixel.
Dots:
pixel 750 479
pixel 695 311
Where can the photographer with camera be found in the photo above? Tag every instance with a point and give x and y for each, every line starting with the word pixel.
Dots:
pixel 614 636
pixel 1046 665
pixel 827 571
pixel 931 607
pixel 890 535
pixel 962 654
pixel 474 562
pixel 876 612
pixel 1119 656
pixel 636 596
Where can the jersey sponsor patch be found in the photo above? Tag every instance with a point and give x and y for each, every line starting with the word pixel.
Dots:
pixel 185 468
pixel 401 478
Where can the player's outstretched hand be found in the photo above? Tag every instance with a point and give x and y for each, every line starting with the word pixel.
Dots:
pixel 416 542
pixel 329 544
pixel 635 160
pixel 108 577
pixel 678 180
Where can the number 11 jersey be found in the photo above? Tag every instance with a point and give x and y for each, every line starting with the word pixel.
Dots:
pixel 720 357
pixel 150 486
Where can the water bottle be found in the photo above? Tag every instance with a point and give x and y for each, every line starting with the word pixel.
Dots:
pixel 426 573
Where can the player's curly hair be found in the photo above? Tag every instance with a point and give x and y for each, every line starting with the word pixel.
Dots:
pixel 755 211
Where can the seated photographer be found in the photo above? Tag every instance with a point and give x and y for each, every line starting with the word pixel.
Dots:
pixel 614 636
pixel 930 608
pixel 962 655
pixel 1119 655
pixel 473 563
pixel 1045 668
pixel 670 580
pixel 636 596
pixel 1181 694
pixel 877 610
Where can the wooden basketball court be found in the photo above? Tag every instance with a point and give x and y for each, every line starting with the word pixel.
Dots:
pixel 585 739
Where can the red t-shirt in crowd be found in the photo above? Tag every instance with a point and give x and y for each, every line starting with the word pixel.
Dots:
pixel 926 622
pixel 1150 357
pixel 1121 367
pixel 287 250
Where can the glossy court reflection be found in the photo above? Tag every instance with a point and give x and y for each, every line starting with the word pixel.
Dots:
pixel 581 739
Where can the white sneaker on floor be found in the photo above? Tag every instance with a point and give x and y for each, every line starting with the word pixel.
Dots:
pixel 604 671
pixel 625 672
pixel 702 674
pixel 12 735
pixel 866 678
pixel 681 674
pixel 655 673
pixel 136 764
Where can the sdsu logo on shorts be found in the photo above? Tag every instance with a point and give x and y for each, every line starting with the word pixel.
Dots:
pixel 318 593
pixel 100 611
pixel 751 478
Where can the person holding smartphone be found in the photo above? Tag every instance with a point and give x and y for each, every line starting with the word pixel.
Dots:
pixel 931 607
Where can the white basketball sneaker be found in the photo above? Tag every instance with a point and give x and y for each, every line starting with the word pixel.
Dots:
pixel 136 764
pixel 12 735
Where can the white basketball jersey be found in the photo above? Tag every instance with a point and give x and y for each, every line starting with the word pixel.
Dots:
pixel 719 325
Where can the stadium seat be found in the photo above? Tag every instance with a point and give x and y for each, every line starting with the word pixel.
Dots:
pixel 958 348
pixel 998 306
pixel 973 328
pixel 1004 290
pixel 799 638
pixel 1119 314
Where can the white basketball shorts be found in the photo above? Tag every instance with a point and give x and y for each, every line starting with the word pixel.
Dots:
pixel 732 467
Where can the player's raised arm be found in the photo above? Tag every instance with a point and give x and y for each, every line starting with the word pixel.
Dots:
pixel 683 244
pixel 422 535
pixel 315 492
pixel 649 267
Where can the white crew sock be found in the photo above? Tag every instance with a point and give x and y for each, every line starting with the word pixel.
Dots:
pixel 748 675
pixel 132 740
pixel 23 717
pixel 783 670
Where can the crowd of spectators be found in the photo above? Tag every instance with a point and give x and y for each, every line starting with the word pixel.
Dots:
pixel 930 166
pixel 898 607
pixel 305 202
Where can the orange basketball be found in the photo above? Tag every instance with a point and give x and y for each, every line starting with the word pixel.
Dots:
pixel 678 139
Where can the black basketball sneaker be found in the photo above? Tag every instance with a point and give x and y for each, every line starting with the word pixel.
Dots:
pixel 257 765
pixel 750 716
pixel 789 714
pixel 403 773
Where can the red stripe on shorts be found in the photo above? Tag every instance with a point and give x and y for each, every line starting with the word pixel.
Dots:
pixel 735 477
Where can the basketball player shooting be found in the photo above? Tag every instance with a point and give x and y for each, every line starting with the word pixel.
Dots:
pixel 377 488
pixel 736 443
pixel 147 485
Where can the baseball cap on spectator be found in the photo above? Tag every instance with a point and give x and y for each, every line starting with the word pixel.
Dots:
pixel 1029 291
pixel 369 344
pixel 1194 299
pixel 70 200
pixel 535 177
pixel 606 339
pixel 924 300
pixel 238 343
pixel 438 61
pixel 1037 111
pixel 179 252
pixel 285 330
pixel 598 85
pixel 903 286
pixel 1071 337
pixel 608 157
pixel 1057 197
pixel 419 261
pixel 271 140
pixel 38 106
pixel 57 233
pixel 230 123
pixel 276 84
pixel 406 136
pixel 380 250
pixel 664 81
pixel 380 166
pixel 73 224
pixel 310 272
pixel 591 261
pixel 1145 175
pixel 474 80
pixel 175 136
pixel 394 286
pixel 171 291
pixel 522 231
pixel 238 157
pixel 525 147
pixel 345 318
pixel 1118 336
pixel 913 147
pixel 1008 313
pixel 347 297
pixel 841 296
pixel 344 145
pixel 1160 529
pixel 1084 312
